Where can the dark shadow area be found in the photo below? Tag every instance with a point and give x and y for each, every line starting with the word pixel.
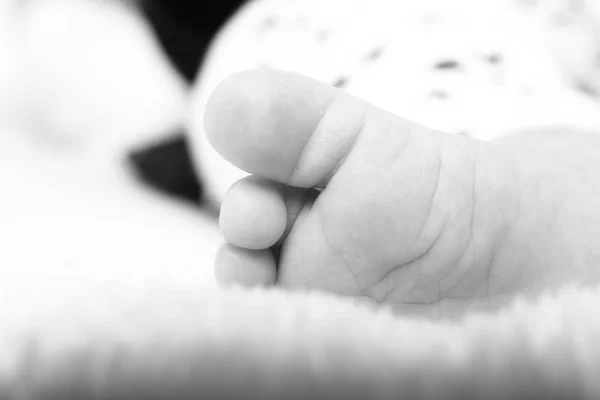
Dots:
pixel 184 31
pixel 185 28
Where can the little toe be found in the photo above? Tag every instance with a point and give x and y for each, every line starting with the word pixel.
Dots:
pixel 237 266
pixel 253 214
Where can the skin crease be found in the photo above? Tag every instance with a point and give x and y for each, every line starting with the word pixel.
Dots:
pixel 420 220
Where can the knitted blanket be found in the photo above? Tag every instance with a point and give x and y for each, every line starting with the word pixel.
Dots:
pixel 179 343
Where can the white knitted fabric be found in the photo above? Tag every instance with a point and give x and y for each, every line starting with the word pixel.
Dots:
pixel 161 342
pixel 519 64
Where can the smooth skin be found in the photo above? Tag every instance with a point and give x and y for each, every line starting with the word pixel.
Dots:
pixel 360 202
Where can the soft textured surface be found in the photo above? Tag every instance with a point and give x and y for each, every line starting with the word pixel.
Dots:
pixel 173 342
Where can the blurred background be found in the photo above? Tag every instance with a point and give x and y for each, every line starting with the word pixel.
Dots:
pixel 94 164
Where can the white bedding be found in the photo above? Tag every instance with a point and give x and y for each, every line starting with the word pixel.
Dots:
pixel 386 52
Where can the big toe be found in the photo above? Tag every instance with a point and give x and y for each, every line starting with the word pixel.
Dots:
pixel 282 126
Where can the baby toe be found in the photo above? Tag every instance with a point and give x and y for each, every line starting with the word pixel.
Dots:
pixel 253 214
pixel 234 265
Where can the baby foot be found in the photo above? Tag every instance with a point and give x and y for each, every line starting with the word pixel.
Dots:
pixel 360 202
